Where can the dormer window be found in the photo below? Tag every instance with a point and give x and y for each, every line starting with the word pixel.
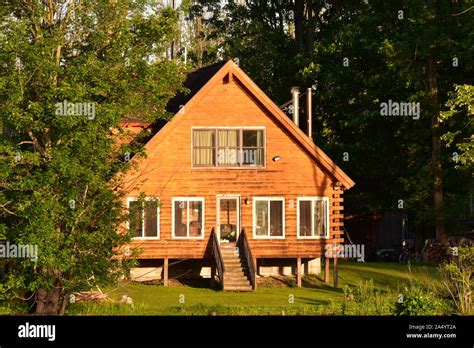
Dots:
pixel 228 147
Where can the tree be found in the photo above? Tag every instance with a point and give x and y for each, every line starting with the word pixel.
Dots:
pixel 458 139
pixel 361 54
pixel 421 46
pixel 71 70
pixel 460 105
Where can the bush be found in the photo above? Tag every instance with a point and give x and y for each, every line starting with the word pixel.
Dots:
pixel 457 279
pixel 415 300
pixel 365 299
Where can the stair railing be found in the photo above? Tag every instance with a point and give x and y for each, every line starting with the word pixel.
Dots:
pixel 216 251
pixel 243 244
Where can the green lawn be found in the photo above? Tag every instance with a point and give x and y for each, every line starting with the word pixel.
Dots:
pixel 315 298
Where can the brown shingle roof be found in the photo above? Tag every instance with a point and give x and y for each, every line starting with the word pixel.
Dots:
pixel 195 80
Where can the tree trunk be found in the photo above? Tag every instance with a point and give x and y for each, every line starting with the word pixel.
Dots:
pixel 48 301
pixel 199 41
pixel 436 146
pixel 298 17
pixel 310 34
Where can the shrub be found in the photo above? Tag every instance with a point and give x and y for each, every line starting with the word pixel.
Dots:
pixel 365 299
pixel 457 279
pixel 415 300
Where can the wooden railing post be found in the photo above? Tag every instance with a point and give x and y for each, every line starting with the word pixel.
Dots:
pixel 335 273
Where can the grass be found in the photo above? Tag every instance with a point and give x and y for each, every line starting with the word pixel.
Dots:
pixel 315 298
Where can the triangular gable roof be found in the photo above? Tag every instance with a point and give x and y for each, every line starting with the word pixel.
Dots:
pixel 195 80
pixel 202 85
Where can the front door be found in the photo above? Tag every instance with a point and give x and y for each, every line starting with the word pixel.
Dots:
pixel 228 218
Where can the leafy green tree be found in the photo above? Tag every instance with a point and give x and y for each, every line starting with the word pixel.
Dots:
pixel 457 124
pixel 71 70
pixel 360 54
pixel 461 105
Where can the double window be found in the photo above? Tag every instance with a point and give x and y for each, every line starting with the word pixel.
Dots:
pixel 269 217
pixel 313 217
pixel 144 217
pixel 188 217
pixel 228 147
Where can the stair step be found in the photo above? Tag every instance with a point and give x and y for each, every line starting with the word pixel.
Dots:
pixel 238 288
pixel 235 277
pixel 233 282
pixel 232 262
pixel 236 273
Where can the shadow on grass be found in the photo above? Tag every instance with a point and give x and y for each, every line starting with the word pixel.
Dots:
pixel 198 283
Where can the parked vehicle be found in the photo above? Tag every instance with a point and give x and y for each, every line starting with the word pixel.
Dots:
pixel 386 255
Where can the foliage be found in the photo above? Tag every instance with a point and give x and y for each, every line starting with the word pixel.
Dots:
pixel 457 279
pixel 58 188
pixel 416 300
pixel 366 299
pixel 461 105
pixel 390 158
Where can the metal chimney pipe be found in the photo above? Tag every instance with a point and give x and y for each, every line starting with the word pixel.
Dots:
pixel 295 92
pixel 309 111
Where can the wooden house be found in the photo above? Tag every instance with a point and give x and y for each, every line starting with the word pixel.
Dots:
pixel 232 183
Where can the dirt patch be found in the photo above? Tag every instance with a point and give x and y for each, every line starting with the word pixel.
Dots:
pixel 276 282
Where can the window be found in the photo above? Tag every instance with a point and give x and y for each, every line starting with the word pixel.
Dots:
pixel 144 218
pixel 228 147
pixel 269 217
pixel 252 147
pixel 188 217
pixel 313 217
pixel 203 148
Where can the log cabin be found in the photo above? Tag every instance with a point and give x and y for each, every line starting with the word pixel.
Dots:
pixel 233 186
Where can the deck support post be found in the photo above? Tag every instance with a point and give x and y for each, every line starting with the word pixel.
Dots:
pixel 327 261
pixel 335 273
pixel 298 271
pixel 165 271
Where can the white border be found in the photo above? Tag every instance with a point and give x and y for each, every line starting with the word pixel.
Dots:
pixel 133 199
pixel 187 199
pixel 218 210
pixel 312 200
pixel 264 166
pixel 254 225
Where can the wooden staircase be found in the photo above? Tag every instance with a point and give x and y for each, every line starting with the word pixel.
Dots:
pixel 234 264
pixel 236 277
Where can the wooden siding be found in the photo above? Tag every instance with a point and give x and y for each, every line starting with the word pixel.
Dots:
pixel 167 173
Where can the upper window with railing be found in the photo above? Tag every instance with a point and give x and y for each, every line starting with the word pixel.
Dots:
pixel 228 147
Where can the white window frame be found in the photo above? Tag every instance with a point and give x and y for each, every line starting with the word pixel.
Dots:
pixel 187 199
pixel 254 220
pixel 238 198
pixel 312 200
pixel 134 199
pixel 216 128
